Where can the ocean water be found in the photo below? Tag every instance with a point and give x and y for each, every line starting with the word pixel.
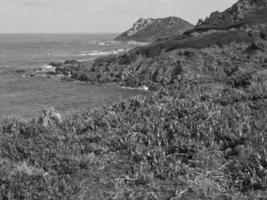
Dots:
pixel 31 50
pixel 26 97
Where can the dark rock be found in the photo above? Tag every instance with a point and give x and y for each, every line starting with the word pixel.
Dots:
pixel 263 36
pixel 50 117
pixel 253 48
pixel 51 73
pixel 229 70
pixel 242 13
pixel 240 80
pixel 71 62
pixel 126 59
pixel 20 71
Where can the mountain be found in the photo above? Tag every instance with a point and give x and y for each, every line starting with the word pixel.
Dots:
pixel 151 29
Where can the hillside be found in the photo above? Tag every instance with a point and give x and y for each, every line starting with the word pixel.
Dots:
pixel 145 30
pixel 149 65
pixel 201 136
pixel 244 12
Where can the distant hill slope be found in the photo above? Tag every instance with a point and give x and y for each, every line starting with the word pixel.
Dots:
pixel 151 29
pixel 156 63
pixel 244 12
pixel 160 62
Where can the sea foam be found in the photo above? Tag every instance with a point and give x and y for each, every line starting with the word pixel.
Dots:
pixel 103 53
pixel 48 68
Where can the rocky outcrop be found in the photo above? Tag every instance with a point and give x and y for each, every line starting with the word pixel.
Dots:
pixel 223 56
pixel 199 55
pixel 50 117
pixel 147 30
pixel 243 7
pixel 242 13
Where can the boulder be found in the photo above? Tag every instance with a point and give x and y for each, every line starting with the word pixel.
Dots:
pixel 50 117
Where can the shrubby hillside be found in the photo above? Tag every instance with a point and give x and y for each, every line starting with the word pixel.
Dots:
pixel 168 60
pixel 201 135
pixel 196 142
pixel 244 12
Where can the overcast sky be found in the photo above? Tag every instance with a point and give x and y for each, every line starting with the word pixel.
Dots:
pixel 96 16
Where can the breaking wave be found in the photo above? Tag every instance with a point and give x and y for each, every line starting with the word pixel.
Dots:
pixel 47 68
pixel 103 53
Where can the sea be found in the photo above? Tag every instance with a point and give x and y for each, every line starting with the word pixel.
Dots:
pixel 25 97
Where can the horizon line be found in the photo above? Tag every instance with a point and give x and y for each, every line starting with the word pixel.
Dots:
pixel 60 33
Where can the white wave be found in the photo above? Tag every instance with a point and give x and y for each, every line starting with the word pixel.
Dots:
pixel 144 88
pixel 48 68
pixel 137 43
pixel 103 53
pixel 108 43
pixel 102 43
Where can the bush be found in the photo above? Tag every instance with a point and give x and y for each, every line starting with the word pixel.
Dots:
pixel 240 80
pixel 151 147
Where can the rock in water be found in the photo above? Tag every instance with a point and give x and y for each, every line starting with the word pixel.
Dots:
pixel 50 117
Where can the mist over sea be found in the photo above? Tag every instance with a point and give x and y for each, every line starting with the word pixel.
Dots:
pixel 25 96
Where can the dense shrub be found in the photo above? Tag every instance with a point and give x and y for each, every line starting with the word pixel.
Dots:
pixel 161 147
pixel 217 38
pixel 126 59
pixel 240 79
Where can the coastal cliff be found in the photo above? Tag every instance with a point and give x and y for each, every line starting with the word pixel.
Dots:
pixel 206 47
pixel 164 58
pixel 147 30
pixel 195 53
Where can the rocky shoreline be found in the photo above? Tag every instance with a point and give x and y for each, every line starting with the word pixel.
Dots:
pixel 143 67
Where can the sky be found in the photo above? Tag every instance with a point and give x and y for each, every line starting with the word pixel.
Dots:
pixel 96 16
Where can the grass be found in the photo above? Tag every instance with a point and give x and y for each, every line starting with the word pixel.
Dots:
pixel 168 146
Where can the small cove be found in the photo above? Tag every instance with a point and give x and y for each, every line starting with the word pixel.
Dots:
pixel 26 97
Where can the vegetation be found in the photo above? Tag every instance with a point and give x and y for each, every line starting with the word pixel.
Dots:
pixel 148 65
pixel 231 18
pixel 147 30
pixel 167 146
pixel 201 135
